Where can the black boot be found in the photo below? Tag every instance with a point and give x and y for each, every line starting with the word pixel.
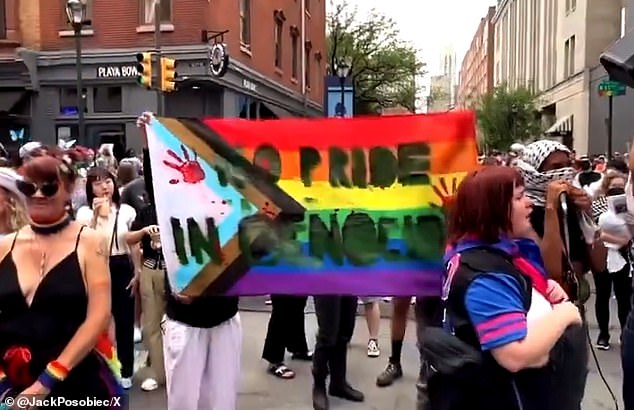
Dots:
pixel 320 372
pixel 320 398
pixel 339 387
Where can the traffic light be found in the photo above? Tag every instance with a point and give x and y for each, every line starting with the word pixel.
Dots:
pixel 144 69
pixel 168 74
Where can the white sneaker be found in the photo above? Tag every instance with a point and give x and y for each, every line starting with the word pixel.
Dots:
pixel 126 383
pixel 149 384
pixel 138 336
pixel 373 349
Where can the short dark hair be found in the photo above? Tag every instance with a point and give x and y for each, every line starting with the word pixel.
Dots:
pixel 618 164
pixel 98 174
pixel 482 204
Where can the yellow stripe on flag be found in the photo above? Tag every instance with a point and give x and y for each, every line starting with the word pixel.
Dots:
pixel 322 196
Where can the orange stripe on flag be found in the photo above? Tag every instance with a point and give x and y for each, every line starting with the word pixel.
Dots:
pixel 450 157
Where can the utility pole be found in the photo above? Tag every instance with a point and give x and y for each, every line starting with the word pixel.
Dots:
pixel 610 124
pixel 160 102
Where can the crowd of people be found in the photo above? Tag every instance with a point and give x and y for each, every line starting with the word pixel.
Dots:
pixel 83 279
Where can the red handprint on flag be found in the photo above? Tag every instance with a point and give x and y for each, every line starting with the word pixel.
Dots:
pixel 190 169
pixel 444 192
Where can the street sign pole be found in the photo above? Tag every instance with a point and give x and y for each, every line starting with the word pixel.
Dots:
pixel 610 122
pixel 610 89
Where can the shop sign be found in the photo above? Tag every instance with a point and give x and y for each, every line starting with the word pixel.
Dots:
pixel 218 59
pixel 249 85
pixel 117 71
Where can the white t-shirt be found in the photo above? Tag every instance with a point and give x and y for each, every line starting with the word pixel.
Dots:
pixel 611 223
pixel 127 214
pixel 539 306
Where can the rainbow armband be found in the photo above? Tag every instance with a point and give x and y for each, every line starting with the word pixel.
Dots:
pixel 54 373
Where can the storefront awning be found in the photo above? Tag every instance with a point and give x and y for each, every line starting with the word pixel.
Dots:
pixel 278 112
pixel 10 99
pixel 563 126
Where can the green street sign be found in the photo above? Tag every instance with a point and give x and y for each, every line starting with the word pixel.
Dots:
pixel 608 88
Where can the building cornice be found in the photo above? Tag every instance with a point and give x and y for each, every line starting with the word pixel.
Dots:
pixel 180 53
pixel 501 7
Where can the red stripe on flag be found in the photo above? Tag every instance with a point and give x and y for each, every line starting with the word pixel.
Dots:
pixel 290 134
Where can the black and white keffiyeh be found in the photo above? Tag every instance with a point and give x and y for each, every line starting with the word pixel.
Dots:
pixel 599 206
pixel 536 182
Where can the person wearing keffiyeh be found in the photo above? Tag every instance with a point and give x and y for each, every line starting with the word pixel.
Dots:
pixel 545 165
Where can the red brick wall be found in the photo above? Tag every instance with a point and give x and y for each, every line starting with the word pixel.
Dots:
pixel 12 26
pixel 115 25
pixel 476 72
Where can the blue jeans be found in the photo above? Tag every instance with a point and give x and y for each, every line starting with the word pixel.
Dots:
pixel 627 361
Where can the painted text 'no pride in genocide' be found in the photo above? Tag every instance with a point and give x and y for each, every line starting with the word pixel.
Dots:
pixel 307 207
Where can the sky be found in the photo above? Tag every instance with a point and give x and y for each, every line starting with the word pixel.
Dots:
pixel 431 25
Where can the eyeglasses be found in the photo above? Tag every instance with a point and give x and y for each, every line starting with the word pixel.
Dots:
pixel 48 189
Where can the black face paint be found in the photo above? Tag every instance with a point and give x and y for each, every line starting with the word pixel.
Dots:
pixel 615 191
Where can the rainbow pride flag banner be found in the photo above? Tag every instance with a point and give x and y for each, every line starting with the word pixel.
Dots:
pixel 308 206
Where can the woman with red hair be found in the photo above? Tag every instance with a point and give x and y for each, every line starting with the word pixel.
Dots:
pixel 55 296
pixel 500 301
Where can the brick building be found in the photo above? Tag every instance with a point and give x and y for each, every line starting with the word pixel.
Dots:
pixel 271 44
pixel 476 72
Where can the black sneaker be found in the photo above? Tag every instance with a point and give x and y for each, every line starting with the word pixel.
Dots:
pixel 603 342
pixel 392 372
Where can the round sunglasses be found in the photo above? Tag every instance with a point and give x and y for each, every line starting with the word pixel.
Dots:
pixel 48 189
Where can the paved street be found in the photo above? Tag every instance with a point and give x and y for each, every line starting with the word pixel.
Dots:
pixel 263 392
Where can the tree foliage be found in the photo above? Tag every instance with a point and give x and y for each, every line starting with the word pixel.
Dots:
pixel 506 116
pixel 384 66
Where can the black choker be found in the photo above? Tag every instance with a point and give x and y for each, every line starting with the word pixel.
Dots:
pixel 51 229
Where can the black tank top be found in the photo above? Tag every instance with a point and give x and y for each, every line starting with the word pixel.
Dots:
pixel 57 310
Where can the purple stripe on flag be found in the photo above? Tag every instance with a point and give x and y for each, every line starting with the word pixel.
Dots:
pixel 370 283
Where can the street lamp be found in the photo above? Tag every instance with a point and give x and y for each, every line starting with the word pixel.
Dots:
pixel 343 71
pixel 76 13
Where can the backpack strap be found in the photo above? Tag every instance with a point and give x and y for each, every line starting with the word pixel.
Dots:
pixel 473 263
pixel 482 260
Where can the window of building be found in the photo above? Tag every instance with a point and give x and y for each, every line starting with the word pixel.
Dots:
pixel 3 20
pixel 571 62
pixel 65 22
pixel 68 101
pixel 245 23
pixel 248 108
pixel 623 21
pixel 569 57
pixel 279 18
pixel 67 132
pixel 107 99
pixel 147 11
pixel 295 55
pixel 308 64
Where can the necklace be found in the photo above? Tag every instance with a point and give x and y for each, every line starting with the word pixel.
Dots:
pixel 37 243
pixel 42 264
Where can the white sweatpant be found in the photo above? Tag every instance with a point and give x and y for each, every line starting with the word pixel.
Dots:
pixel 202 366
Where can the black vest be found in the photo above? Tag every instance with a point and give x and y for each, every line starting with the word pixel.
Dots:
pixel 497 388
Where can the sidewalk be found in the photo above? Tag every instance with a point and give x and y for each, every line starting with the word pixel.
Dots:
pixel 261 391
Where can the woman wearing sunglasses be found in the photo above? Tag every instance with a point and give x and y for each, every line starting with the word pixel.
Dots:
pixel 54 295
pixel 112 219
